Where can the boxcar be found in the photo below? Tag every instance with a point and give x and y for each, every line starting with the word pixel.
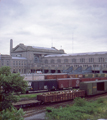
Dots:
pixel 55 75
pixel 68 82
pixel 43 85
pixel 50 84
pixel 29 77
pixel 94 87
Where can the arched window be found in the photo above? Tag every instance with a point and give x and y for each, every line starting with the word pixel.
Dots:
pixel 46 61
pixel 74 60
pixel 101 60
pixel 58 60
pixel 65 60
pixel 82 60
pixel 52 61
pixel 91 59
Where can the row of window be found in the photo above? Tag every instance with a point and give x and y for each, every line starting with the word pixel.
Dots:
pixel 82 60
pixel 14 63
pixel 77 65
pixel 19 62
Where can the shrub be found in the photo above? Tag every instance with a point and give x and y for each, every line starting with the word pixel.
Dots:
pixel 12 114
pixel 79 101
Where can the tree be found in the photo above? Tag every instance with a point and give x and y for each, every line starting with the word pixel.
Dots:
pixel 11 84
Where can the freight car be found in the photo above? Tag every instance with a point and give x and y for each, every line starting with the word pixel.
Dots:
pixel 86 89
pixel 94 87
pixel 60 96
pixel 35 76
pixel 43 85
pixel 58 81
pixel 58 84
pixel 53 84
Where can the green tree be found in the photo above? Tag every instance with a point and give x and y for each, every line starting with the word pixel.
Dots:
pixel 11 84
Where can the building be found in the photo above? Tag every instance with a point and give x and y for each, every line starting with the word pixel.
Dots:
pixel 29 59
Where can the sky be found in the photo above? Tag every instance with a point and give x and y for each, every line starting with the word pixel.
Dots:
pixel 77 26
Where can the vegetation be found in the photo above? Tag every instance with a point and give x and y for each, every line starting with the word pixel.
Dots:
pixel 10 83
pixel 28 96
pixel 14 114
pixel 81 110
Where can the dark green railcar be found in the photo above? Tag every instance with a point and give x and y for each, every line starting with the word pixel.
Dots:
pixel 51 84
pixel 47 84
pixel 94 87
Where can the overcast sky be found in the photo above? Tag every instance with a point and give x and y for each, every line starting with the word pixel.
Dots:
pixel 76 26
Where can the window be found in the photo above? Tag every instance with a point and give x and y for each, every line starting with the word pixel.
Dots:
pixel 46 61
pixel 91 60
pixel 82 60
pixel 37 58
pixel 101 60
pixel 65 60
pixel 2 62
pixel 13 62
pixel 74 60
pixel 24 62
pixel 7 62
pixel 58 60
pixel 52 61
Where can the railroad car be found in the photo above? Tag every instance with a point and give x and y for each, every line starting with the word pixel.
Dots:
pixel 86 89
pixel 94 87
pixel 75 75
pixel 68 83
pixel 56 75
pixel 49 84
pixel 59 80
pixel 29 77
pixel 54 84
pixel 60 96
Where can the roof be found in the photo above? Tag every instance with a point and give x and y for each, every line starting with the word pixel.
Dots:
pixel 21 58
pixel 43 48
pixel 22 47
pixel 76 54
pixel 97 81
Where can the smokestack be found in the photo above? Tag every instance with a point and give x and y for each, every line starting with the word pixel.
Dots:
pixel 11 45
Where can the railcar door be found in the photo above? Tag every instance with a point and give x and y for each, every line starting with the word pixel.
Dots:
pixel 94 88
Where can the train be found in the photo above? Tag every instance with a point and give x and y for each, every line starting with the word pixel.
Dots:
pixel 59 81
pixel 87 88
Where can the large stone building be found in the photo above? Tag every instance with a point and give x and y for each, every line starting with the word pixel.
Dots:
pixel 27 59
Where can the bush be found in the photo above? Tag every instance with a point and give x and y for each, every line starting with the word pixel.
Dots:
pixel 81 110
pixel 79 102
pixel 12 114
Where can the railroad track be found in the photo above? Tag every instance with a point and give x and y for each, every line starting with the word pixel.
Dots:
pixel 42 108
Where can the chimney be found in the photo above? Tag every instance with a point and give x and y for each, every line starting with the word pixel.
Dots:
pixel 11 45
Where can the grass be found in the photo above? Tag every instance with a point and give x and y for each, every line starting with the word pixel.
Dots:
pixel 80 110
pixel 28 96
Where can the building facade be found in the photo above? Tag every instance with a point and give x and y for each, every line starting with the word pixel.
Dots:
pixel 29 59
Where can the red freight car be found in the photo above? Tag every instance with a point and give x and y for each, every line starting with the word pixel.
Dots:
pixel 56 75
pixel 68 82
pixel 60 96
